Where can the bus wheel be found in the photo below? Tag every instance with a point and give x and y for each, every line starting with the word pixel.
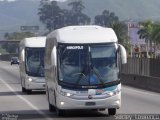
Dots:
pixel 51 108
pixel 28 92
pixel 60 112
pixel 23 89
pixel 112 111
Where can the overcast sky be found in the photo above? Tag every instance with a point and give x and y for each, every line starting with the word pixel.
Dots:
pixel 33 0
pixel 8 0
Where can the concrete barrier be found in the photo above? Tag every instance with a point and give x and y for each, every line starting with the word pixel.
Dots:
pixel 7 57
pixel 143 82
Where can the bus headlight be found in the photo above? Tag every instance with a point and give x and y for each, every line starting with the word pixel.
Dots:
pixel 66 94
pixel 115 92
pixel 110 93
pixel 30 79
pixel 62 103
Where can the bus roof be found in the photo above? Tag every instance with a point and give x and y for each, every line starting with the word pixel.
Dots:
pixel 84 34
pixel 33 42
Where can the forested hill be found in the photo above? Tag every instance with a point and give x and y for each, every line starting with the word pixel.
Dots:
pixel 24 12
pixel 124 9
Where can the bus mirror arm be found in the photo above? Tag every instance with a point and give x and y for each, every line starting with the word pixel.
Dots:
pixel 123 54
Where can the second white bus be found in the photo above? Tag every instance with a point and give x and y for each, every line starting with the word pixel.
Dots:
pixel 31 64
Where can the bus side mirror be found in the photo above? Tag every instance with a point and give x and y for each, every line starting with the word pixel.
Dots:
pixel 123 54
pixel 53 56
pixel 22 55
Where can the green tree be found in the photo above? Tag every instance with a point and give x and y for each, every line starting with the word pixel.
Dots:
pixel 146 32
pixel 54 17
pixel 156 33
pixel 109 19
pixel 121 32
pixel 77 6
pixel 106 19
pixel 49 14
pixel 76 16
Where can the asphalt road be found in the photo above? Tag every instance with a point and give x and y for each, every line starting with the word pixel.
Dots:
pixel 136 103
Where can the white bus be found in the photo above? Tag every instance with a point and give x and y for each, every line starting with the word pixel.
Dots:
pixel 31 64
pixel 82 65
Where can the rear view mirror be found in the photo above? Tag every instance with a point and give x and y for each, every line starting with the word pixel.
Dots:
pixel 22 55
pixel 53 56
pixel 123 54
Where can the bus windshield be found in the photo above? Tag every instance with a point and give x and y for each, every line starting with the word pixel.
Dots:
pixel 34 61
pixel 87 65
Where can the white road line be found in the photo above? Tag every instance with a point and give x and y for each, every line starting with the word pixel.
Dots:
pixel 25 100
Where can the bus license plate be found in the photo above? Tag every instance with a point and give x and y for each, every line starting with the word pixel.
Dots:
pixel 90 103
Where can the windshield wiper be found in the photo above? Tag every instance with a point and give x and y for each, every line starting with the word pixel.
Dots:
pixel 112 83
pixel 91 66
pixel 97 74
pixel 81 75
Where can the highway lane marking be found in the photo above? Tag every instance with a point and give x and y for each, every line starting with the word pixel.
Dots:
pixel 25 100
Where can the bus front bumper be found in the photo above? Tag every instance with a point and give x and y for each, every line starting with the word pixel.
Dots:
pixel 35 86
pixel 64 102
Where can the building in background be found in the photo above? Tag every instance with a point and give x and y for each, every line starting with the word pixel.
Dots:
pixel 139 46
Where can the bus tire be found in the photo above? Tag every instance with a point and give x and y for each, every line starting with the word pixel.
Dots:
pixel 28 92
pixel 111 111
pixel 51 108
pixel 23 90
pixel 60 112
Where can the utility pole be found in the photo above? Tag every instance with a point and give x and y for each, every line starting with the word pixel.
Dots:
pixel 128 28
